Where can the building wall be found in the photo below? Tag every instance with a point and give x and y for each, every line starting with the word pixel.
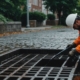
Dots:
pixel 35 5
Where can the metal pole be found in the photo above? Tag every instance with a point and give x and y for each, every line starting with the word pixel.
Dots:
pixel 27 25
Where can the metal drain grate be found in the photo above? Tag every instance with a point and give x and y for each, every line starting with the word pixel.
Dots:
pixel 31 65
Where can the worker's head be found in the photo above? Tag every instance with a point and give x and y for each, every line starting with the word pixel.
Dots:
pixel 73 20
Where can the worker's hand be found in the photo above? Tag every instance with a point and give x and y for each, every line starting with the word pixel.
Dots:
pixel 71 45
pixel 73 52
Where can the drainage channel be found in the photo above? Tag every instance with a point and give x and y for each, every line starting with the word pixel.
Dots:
pixel 28 64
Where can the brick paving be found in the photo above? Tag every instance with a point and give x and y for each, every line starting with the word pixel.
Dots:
pixel 41 39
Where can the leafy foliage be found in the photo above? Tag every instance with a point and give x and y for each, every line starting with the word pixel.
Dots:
pixel 50 16
pixel 64 6
pixel 2 18
pixel 11 8
pixel 18 2
pixel 77 9
pixel 38 16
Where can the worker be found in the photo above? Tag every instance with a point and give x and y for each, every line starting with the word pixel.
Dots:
pixel 73 20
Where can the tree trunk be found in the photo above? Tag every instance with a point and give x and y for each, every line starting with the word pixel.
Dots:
pixel 59 16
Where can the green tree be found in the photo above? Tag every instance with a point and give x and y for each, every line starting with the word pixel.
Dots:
pixel 18 2
pixel 64 6
pixel 50 16
pixel 11 8
pixel 77 10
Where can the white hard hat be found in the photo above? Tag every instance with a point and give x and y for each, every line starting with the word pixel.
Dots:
pixel 71 19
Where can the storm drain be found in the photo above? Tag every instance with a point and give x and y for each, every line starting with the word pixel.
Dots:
pixel 35 65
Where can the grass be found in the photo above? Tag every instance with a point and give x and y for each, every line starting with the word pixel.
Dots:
pixel 59 26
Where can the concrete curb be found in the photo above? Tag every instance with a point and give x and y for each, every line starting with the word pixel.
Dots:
pixel 35 28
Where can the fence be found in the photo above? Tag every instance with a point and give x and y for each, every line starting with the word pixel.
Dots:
pixel 52 22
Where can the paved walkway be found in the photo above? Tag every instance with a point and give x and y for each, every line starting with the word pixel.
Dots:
pixel 43 39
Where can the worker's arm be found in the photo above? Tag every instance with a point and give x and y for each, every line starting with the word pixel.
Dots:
pixel 76 49
pixel 77 41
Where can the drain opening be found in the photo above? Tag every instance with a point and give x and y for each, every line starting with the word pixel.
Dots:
pixel 28 74
pixel 38 79
pixel 49 79
pixel 62 79
pixel 12 78
pixel 63 75
pixel 43 62
pixel 18 73
pixel 41 74
pixel 2 78
pixel 5 73
pixel 52 75
pixel 50 63
pixel 25 78
pixel 71 62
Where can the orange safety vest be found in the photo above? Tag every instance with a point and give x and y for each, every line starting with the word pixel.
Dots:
pixel 77 42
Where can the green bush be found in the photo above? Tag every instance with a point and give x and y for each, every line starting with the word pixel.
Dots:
pixel 2 18
pixel 13 14
pixel 50 17
pixel 38 16
pixel 10 10
pixel 32 16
